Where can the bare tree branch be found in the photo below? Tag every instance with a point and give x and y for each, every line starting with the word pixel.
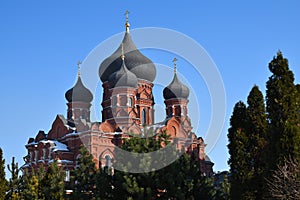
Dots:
pixel 285 181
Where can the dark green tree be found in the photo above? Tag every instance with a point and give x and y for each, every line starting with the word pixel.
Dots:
pixel 104 185
pixel 180 180
pixel 52 183
pixel 14 181
pixel 283 105
pixel 223 191
pixel 257 141
pixel 137 185
pixel 3 181
pixel 239 156
pixel 84 175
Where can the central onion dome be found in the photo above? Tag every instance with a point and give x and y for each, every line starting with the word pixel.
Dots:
pixel 176 89
pixel 79 93
pixel 123 78
pixel 135 61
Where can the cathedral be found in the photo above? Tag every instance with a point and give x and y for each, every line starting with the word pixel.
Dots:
pixel 127 108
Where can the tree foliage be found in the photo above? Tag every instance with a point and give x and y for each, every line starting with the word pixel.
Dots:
pixel 3 181
pixel 14 182
pixel 31 186
pixel 52 183
pixel 238 150
pixel 283 105
pixel 180 180
pixel 84 175
pixel 257 141
pixel 261 138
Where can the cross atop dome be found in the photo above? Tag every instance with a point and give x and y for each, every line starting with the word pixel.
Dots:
pixel 78 66
pixel 175 67
pixel 127 25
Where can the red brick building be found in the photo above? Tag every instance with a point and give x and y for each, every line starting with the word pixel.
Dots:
pixel 127 107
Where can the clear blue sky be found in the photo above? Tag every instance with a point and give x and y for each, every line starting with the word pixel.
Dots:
pixel 41 42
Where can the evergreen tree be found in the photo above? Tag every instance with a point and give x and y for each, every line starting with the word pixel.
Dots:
pixel 283 105
pixel 137 185
pixel 238 150
pixel 180 180
pixel 14 181
pixel 30 186
pixel 3 182
pixel 223 191
pixel 257 140
pixel 104 185
pixel 52 183
pixel 84 175
pixel 40 174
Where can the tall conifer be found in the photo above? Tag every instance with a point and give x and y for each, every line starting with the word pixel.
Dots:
pixel 283 113
pixel 238 143
pixel 84 175
pixel 52 184
pixel 256 132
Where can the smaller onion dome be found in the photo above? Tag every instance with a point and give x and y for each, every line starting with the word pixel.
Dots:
pixel 123 78
pixel 176 89
pixel 79 93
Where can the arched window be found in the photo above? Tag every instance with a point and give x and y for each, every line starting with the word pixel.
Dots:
pixel 36 155
pixel 44 154
pixel 83 115
pixel 144 115
pixel 170 111
pixel 77 161
pixel 108 161
pixel 70 113
pixel 114 101
pixel 31 156
pixel 184 111
pixel 130 102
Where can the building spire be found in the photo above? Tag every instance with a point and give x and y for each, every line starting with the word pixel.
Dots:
pixel 127 25
pixel 123 55
pixel 175 67
pixel 78 66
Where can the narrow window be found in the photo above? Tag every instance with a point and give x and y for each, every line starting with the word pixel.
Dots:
pixel 83 114
pixel 170 113
pixel 130 102
pixel 44 154
pixel 36 154
pixel 70 113
pixel 114 101
pixel 107 161
pixel 144 116
pixel 31 156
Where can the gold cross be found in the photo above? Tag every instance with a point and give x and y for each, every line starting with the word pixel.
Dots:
pixel 78 66
pixel 174 61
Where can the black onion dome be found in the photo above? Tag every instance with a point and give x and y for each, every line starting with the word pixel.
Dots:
pixel 123 78
pixel 176 89
pixel 135 61
pixel 79 93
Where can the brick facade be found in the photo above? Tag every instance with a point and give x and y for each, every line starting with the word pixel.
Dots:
pixel 125 110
